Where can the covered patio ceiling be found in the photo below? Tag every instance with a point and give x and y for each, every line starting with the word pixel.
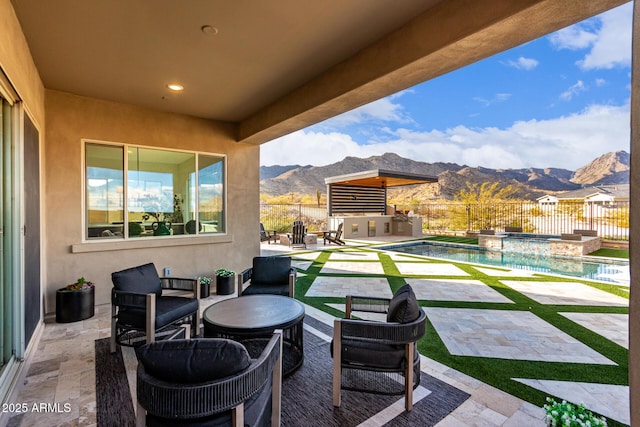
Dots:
pixel 273 67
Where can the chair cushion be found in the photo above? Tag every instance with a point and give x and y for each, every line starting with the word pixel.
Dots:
pixel 168 310
pixel 193 361
pixel 270 270
pixel 403 307
pixel 373 355
pixel 261 289
pixel 142 279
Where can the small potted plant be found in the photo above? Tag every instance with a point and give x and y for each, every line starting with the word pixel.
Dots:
pixel 570 415
pixel 75 302
pixel 224 281
pixel 205 286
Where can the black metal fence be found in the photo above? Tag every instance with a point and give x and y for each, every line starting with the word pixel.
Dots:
pixel 611 221
pixel 281 217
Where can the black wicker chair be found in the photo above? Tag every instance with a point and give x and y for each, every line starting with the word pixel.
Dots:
pixel 268 275
pixel 209 382
pixel 140 312
pixel 379 357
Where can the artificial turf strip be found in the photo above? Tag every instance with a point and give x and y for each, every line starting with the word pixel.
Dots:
pixel 494 371
pixel 453 239
pixel 611 253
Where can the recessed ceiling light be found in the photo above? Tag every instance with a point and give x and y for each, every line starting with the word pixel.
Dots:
pixel 175 87
pixel 209 30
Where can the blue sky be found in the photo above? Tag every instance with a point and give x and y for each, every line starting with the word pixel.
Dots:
pixel 558 101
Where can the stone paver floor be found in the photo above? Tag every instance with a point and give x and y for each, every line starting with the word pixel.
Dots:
pixel 63 367
pixel 499 334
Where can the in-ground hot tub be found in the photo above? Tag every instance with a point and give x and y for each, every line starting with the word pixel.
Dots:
pixel 539 244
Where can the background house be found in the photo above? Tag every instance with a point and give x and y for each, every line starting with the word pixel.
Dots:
pixel 596 199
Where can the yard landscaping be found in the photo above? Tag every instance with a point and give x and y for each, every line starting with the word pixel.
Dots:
pixel 528 334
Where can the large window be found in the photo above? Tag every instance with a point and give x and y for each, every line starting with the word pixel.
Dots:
pixel 158 193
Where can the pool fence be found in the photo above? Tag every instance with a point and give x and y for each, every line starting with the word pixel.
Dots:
pixel 610 222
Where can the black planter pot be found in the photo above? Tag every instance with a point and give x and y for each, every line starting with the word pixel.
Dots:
pixel 72 306
pixel 205 290
pixel 225 285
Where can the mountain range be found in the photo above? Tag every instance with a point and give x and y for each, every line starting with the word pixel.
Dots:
pixel 530 183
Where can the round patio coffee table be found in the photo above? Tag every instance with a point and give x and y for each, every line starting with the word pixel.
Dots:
pixel 252 319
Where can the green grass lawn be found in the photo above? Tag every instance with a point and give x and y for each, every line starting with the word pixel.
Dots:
pixel 498 372
pixel 453 239
pixel 611 253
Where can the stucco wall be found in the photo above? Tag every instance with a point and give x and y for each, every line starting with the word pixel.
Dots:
pixel 17 64
pixel 71 118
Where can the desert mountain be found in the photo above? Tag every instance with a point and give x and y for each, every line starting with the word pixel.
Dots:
pixel 611 168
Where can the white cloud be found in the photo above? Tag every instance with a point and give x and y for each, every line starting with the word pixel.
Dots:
pixel 574 37
pixel 307 147
pixel 565 142
pixel 523 63
pixel 573 90
pixel 498 97
pixel 383 109
pixel 608 37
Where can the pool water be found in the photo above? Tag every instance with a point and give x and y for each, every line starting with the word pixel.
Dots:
pixel 587 267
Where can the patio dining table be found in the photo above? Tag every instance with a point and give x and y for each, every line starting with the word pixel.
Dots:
pixel 252 319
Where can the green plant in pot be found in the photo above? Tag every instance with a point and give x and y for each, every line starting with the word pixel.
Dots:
pixel 223 272
pixel 80 284
pixel 205 286
pixel 224 281
pixel 75 302
pixel 135 229
pixel 569 414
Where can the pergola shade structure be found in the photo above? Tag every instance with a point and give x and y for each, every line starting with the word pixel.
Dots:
pixel 366 192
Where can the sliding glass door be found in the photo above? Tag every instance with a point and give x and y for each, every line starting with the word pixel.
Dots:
pixel 6 289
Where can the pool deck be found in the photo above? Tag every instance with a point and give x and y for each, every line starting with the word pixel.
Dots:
pixel 516 335
pixel 64 369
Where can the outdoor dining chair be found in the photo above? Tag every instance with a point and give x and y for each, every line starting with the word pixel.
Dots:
pixel 379 357
pixel 140 311
pixel 268 275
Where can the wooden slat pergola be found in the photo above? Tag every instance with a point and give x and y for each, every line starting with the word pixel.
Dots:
pixel 366 192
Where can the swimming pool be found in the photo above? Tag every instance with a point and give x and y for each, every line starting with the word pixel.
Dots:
pixel 604 269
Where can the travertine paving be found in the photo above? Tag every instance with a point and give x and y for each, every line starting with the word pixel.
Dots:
pixel 610 325
pixel 345 267
pixel 63 367
pixel 504 273
pixel 455 290
pixel 429 269
pixel 508 334
pixel 612 401
pixel 329 286
pixel 565 293
pixel 301 265
pixel 353 256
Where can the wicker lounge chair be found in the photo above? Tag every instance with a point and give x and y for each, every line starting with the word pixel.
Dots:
pixel 372 356
pixel 268 275
pixel 209 381
pixel 139 310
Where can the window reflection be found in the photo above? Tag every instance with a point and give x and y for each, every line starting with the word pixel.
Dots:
pixel 162 192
